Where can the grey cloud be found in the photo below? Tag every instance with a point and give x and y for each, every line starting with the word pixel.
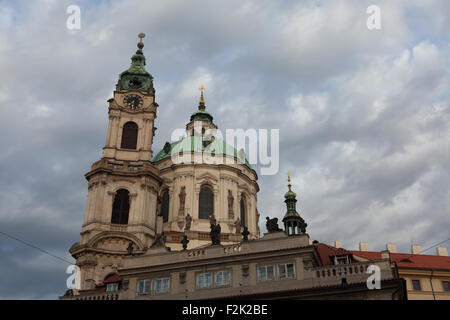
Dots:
pixel 357 178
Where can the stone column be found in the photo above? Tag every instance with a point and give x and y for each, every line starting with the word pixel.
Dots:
pixel 115 132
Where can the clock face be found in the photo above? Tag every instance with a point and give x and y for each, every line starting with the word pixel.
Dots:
pixel 132 101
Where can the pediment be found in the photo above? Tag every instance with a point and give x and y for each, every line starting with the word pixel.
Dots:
pixel 207 176
pixel 115 242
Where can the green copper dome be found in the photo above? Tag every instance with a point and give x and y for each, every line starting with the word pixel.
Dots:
pixel 290 194
pixel 201 114
pixel 195 144
pixel 293 223
pixel 136 77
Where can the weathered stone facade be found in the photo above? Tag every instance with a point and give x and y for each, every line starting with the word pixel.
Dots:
pixel 141 210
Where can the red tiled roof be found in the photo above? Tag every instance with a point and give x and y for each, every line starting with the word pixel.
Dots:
pixel 113 278
pixel 406 260
pixel 325 252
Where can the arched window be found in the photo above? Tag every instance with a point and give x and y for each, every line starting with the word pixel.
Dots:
pixel 165 206
pixel 243 215
pixel 129 135
pixel 205 203
pixel 121 207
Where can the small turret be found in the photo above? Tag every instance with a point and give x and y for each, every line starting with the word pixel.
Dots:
pixel 293 223
pixel 201 120
pixel 136 77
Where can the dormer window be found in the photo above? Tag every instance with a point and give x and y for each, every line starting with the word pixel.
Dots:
pixel 341 260
pixel 111 287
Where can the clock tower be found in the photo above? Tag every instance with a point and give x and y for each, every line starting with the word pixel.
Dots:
pixel 121 211
pixel 132 112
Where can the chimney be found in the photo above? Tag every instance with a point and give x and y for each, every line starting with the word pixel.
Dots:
pixel 337 244
pixel 391 247
pixel 415 249
pixel 364 246
pixel 441 251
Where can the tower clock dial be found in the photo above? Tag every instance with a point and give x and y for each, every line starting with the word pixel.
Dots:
pixel 132 101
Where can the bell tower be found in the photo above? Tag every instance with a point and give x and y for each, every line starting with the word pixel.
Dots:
pixel 121 210
pixel 132 112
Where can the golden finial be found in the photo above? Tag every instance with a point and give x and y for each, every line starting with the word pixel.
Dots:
pixel 141 36
pixel 202 100
pixel 289 177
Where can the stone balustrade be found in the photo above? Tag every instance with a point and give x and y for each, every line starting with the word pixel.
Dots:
pixel 97 296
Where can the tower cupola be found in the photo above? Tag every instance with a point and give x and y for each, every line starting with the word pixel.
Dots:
pixel 293 223
pixel 136 77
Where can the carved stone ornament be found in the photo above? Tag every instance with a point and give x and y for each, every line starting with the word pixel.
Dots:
pixel 188 222
pixel 230 205
pixel 215 234
pixel 184 242
pixel 245 270
pixel 167 147
pixel 272 225
pixel 182 200
pixel 182 277
pixel 245 234
pixel 180 223
pixel 125 285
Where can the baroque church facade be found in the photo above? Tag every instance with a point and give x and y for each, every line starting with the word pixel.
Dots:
pixel 172 224
pixel 138 200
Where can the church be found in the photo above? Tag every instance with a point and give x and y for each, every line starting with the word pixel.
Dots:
pixel 182 223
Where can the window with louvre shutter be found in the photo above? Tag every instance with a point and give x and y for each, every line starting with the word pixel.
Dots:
pixel 121 207
pixel 129 135
pixel 206 203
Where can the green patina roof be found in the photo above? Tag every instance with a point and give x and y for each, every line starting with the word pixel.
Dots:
pixel 290 194
pixel 201 115
pixel 290 203
pixel 195 144
pixel 136 77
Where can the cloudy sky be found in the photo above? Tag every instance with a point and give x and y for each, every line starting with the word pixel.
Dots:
pixel 364 115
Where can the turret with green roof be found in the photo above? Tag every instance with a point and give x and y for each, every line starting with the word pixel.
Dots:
pixel 136 77
pixel 293 223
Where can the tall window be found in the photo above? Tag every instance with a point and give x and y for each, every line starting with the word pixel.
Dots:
pixel 222 278
pixel 144 286
pixel 165 206
pixel 161 285
pixel 121 207
pixel 206 203
pixel 129 135
pixel 266 273
pixel 243 215
pixel 416 285
pixel 204 280
pixel 111 287
pixel 286 271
